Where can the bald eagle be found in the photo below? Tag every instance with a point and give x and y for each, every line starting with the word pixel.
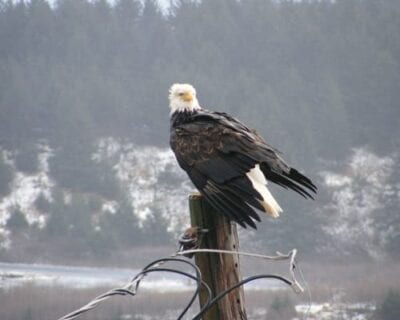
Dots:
pixel 227 162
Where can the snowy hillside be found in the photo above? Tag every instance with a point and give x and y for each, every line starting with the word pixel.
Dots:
pixel 355 206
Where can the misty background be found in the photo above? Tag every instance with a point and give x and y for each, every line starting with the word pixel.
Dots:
pixel 86 173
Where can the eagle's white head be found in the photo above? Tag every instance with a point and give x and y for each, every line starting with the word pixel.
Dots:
pixel 182 97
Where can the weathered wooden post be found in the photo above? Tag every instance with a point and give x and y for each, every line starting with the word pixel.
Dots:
pixel 219 270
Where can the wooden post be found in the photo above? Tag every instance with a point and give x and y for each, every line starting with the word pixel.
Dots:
pixel 219 271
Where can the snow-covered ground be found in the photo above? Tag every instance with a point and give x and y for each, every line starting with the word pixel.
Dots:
pixel 12 274
pixel 335 311
pixel 17 274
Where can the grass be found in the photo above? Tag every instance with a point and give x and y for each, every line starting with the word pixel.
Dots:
pixel 352 281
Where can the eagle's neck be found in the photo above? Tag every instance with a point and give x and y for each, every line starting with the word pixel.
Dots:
pixel 181 117
pixel 176 104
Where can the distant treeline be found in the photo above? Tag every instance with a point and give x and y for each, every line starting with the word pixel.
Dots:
pixel 314 77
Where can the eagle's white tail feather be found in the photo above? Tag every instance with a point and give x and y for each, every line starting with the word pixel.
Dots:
pixel 260 184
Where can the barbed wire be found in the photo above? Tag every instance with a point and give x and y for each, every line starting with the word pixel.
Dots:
pixel 132 287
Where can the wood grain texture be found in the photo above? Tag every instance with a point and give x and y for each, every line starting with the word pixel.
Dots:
pixel 219 271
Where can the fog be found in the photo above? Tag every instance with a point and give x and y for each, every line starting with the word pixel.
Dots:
pixel 86 174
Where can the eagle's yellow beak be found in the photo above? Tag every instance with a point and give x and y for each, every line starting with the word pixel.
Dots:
pixel 187 96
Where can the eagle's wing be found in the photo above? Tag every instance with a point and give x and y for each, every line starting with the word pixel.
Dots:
pixel 272 165
pixel 218 152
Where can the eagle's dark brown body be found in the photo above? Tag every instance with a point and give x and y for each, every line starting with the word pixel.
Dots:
pixel 218 152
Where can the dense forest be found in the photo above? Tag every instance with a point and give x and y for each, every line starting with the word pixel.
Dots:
pixel 316 78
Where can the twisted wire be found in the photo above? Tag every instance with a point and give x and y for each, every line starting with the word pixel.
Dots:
pixel 132 287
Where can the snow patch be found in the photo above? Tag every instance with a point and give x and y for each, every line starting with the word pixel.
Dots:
pixel 25 190
pixel 359 197
pixel 146 173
